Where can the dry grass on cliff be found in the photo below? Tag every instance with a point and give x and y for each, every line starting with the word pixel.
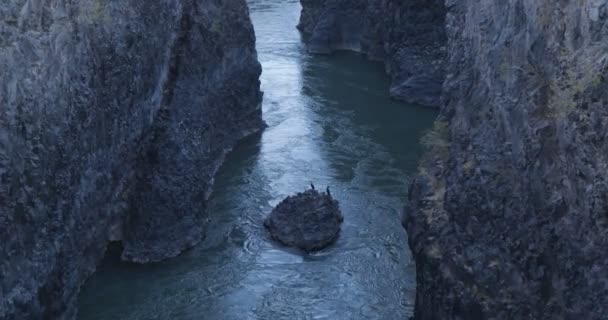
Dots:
pixel 436 140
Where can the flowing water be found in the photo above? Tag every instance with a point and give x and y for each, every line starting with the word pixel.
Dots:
pixel 330 122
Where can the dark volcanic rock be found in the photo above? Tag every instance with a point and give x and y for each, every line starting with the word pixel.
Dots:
pixel 409 36
pixel 508 217
pixel 114 117
pixel 310 221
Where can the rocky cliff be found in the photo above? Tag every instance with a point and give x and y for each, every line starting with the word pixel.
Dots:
pixel 508 218
pixel 114 117
pixel 409 36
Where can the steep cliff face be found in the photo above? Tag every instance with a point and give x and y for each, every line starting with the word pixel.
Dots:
pixel 409 36
pixel 509 216
pixel 114 117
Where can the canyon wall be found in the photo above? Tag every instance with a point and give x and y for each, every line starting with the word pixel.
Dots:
pixel 508 218
pixel 114 117
pixel 409 36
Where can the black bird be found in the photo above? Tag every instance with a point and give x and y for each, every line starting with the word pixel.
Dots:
pixel 328 193
pixel 312 186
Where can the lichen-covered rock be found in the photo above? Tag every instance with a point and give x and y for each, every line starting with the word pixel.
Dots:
pixel 409 36
pixel 114 117
pixel 508 218
pixel 309 221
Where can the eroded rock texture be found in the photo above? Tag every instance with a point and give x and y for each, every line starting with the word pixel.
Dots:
pixel 114 117
pixel 509 216
pixel 409 36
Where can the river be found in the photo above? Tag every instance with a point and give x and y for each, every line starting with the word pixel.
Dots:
pixel 331 122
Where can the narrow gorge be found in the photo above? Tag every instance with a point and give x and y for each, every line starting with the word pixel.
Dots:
pixel 471 131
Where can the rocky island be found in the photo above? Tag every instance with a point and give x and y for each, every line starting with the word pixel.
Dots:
pixel 309 220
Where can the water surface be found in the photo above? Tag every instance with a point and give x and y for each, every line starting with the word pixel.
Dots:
pixel 330 122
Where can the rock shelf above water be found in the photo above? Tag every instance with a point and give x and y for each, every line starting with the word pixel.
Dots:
pixel 309 220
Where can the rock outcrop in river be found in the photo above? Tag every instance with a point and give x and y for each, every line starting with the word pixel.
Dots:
pixel 308 220
pixel 409 36
pixel 509 216
pixel 114 117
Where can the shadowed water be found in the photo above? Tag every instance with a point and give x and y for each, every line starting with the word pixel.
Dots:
pixel 330 122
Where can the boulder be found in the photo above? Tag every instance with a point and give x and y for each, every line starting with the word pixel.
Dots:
pixel 309 220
